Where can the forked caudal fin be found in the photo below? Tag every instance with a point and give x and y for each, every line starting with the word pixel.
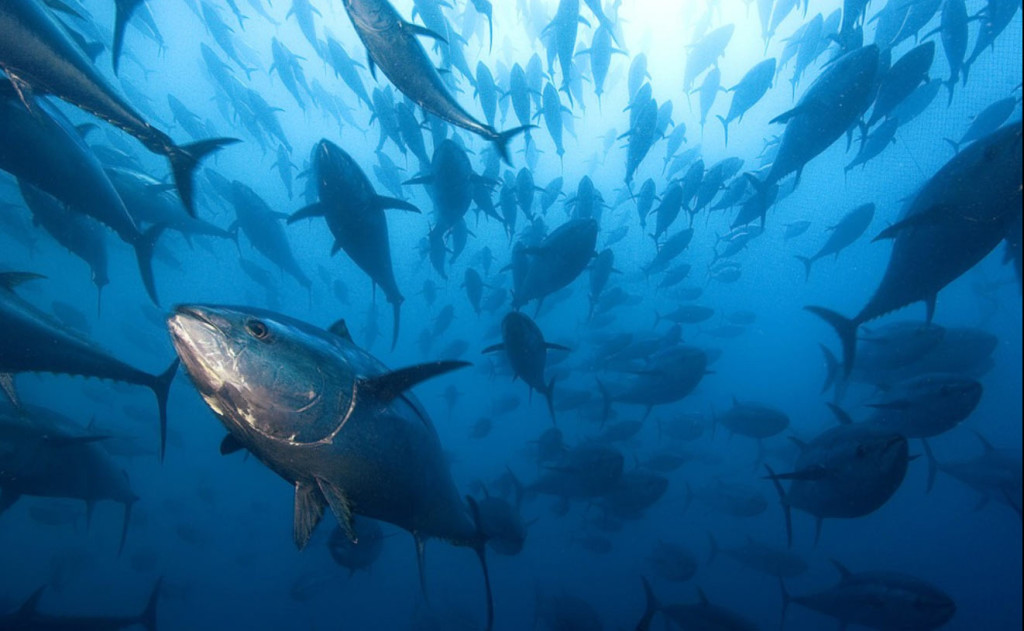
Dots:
pixel 161 387
pixel 501 140
pixel 845 328
pixel 184 161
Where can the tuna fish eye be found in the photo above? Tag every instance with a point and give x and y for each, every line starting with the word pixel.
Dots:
pixel 257 329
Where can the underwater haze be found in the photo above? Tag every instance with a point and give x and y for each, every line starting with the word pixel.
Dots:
pixel 532 314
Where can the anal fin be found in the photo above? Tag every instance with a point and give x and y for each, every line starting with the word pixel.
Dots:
pixel 340 506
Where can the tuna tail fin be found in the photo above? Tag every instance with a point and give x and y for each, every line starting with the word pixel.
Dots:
pixel 480 546
pixel 147 618
pixel 501 140
pixel 124 11
pixel 847 331
pixel 950 85
pixel 786 599
pixel 833 367
pixel 725 127
pixel 807 261
pixel 144 243
pixel 161 387
pixel 549 396
pixel 785 505
pixel 184 161
pixel 713 543
pixel 933 465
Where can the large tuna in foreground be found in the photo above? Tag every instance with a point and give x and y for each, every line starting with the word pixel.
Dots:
pixel 330 419
pixel 958 218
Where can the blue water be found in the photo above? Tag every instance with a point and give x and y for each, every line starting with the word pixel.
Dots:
pixel 218 529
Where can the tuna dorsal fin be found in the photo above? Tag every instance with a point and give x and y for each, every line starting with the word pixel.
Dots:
pixel 340 506
pixel 390 385
pixel 7 385
pixel 309 509
pixel 31 604
pixel 841 415
pixel 340 329
pixel 230 445
pixel 10 280
pixel 844 572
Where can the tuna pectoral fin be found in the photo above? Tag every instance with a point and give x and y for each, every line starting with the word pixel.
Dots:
pixel 501 140
pixel 147 618
pixel 10 280
pixel 840 414
pixel 144 243
pixel 389 386
pixel 161 387
pixel 785 505
pixel 480 546
pixel 124 525
pixel 396 315
pixel 7 385
pixel 809 474
pixel 933 465
pixel 494 348
pixel 124 11
pixel 786 599
pixel 230 445
pixel 393 202
pixel 929 217
pixel 340 506
pixel 184 160
pixel 315 209
pixel 549 396
pixel 651 606
pixel 309 509
pixel 845 328
pixel 786 116
pixel 424 31
pixel 556 347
